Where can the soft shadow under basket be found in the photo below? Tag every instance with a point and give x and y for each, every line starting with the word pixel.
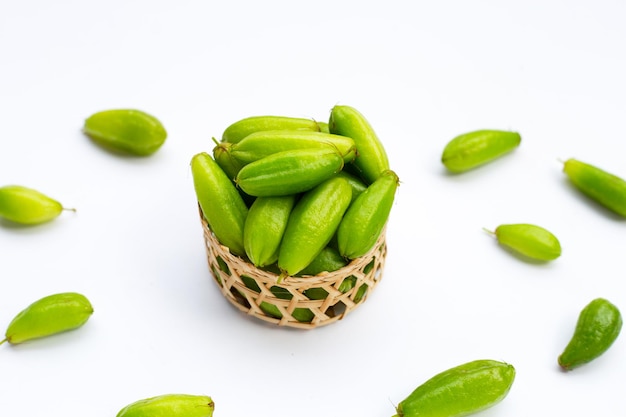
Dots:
pixel 303 302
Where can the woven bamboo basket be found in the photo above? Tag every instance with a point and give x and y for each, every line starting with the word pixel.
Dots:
pixel 259 293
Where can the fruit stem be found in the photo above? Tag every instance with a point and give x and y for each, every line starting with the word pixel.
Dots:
pixel 489 231
pixel 283 275
pixel 396 408
pixel 3 340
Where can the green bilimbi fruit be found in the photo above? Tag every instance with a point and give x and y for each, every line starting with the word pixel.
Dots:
pixel 223 157
pixel 601 186
pixel 460 391
pixel 289 172
pixel 328 260
pixel 316 293
pixel 323 127
pixel 264 228
pixel 222 206
pixel 126 131
pixel 366 217
pixel 529 240
pixel 27 206
pixel 261 144
pixel 358 186
pixel 599 324
pixel 371 160
pixel 242 128
pixel 230 166
pixel 312 223
pixel 346 285
pixel 360 293
pixel 170 405
pixel 50 315
pixel 304 315
pixel 473 149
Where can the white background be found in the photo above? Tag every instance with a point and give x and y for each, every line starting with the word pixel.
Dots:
pixel 422 73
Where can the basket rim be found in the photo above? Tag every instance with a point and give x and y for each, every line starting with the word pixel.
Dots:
pixel 324 277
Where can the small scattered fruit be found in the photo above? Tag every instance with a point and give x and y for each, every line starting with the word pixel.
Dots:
pixel 170 405
pixel 26 206
pixel 529 240
pixel 48 316
pixel 605 188
pixel 473 149
pixel 460 391
pixel 599 324
pixel 126 131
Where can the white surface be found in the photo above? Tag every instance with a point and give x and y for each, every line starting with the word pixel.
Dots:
pixel 422 72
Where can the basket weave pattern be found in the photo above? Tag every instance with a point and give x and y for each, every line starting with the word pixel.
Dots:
pixel 230 271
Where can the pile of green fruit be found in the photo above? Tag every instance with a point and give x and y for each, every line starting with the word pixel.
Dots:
pixel 296 196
